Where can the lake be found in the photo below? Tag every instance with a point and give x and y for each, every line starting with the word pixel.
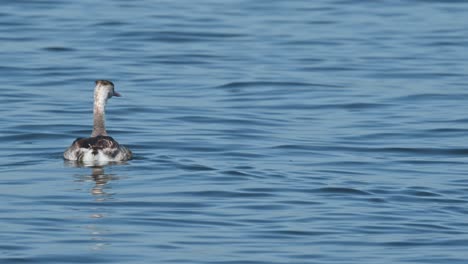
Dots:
pixel 263 132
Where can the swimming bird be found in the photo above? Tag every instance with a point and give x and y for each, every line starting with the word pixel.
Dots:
pixel 100 147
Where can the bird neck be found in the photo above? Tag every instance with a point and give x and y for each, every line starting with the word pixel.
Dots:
pixel 99 127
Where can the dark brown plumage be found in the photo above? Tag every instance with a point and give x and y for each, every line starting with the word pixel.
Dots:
pixel 104 144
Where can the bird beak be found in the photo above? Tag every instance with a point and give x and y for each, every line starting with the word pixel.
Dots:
pixel 117 94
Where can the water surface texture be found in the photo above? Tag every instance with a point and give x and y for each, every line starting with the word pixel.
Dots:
pixel 263 131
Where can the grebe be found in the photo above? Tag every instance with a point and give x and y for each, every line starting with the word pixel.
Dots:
pixel 99 147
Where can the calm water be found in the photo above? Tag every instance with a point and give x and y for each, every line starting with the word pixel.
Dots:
pixel 264 131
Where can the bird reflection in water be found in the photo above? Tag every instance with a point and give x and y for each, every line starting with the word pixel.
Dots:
pixel 101 179
pixel 101 193
pixel 98 175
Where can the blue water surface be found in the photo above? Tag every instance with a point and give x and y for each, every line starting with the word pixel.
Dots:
pixel 263 131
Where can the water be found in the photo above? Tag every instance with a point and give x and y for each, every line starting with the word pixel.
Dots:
pixel 264 132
